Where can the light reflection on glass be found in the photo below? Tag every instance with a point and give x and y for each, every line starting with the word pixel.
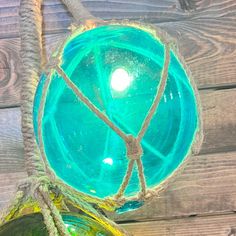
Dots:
pixel 120 80
pixel 108 161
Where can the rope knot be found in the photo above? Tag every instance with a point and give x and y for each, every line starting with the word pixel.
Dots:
pixel 134 149
pixel 52 64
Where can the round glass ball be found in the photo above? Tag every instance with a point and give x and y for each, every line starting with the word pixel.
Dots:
pixel 118 68
pixel 33 225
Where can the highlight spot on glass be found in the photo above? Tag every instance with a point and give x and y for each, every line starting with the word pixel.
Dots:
pixel 120 80
pixel 108 161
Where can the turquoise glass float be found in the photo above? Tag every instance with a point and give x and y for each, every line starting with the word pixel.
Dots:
pixel 33 225
pixel 117 67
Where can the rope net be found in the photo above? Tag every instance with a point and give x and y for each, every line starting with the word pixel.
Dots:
pixel 134 149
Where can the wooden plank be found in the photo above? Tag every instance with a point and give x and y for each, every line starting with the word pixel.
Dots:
pixel 8 183
pixel 223 225
pixel 10 67
pixel 219 113
pixel 208 47
pixel 11 145
pixel 58 19
pixel 220 225
pixel 191 226
pixel 205 9
pixel 206 187
pixel 219 129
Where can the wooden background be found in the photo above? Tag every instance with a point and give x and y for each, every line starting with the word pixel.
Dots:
pixel 201 201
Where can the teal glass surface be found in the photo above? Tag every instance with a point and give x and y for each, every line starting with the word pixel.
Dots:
pixel 118 68
pixel 129 206
pixel 33 225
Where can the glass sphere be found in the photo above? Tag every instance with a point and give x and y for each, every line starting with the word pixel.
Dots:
pixel 118 68
pixel 33 225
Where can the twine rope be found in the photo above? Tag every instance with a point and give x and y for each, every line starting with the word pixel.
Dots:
pixel 89 104
pixel 31 48
pixel 159 94
pixel 44 191
pixel 79 12
pixel 52 230
pixel 31 54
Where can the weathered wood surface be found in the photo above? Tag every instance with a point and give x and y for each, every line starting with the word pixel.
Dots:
pixel 223 225
pixel 219 120
pixel 11 144
pixel 208 47
pixel 207 186
pixel 10 67
pixel 57 19
pixel 8 184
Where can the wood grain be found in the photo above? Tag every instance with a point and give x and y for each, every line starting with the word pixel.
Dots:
pixel 223 225
pixel 10 67
pixel 57 19
pixel 8 183
pixel 216 9
pixel 206 187
pixel 219 113
pixel 11 145
pixel 208 47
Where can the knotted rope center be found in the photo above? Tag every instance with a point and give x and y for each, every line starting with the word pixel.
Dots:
pixel 134 149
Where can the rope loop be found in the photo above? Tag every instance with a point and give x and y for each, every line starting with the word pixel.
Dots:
pixel 51 65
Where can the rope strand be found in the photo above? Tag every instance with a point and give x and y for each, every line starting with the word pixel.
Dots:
pixel 32 58
pixel 125 180
pixel 46 212
pixel 141 177
pixel 31 54
pixel 160 91
pixel 79 12
pixel 90 105
pixel 54 211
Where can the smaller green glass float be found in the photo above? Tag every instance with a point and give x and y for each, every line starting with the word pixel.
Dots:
pixel 91 109
pixel 33 225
